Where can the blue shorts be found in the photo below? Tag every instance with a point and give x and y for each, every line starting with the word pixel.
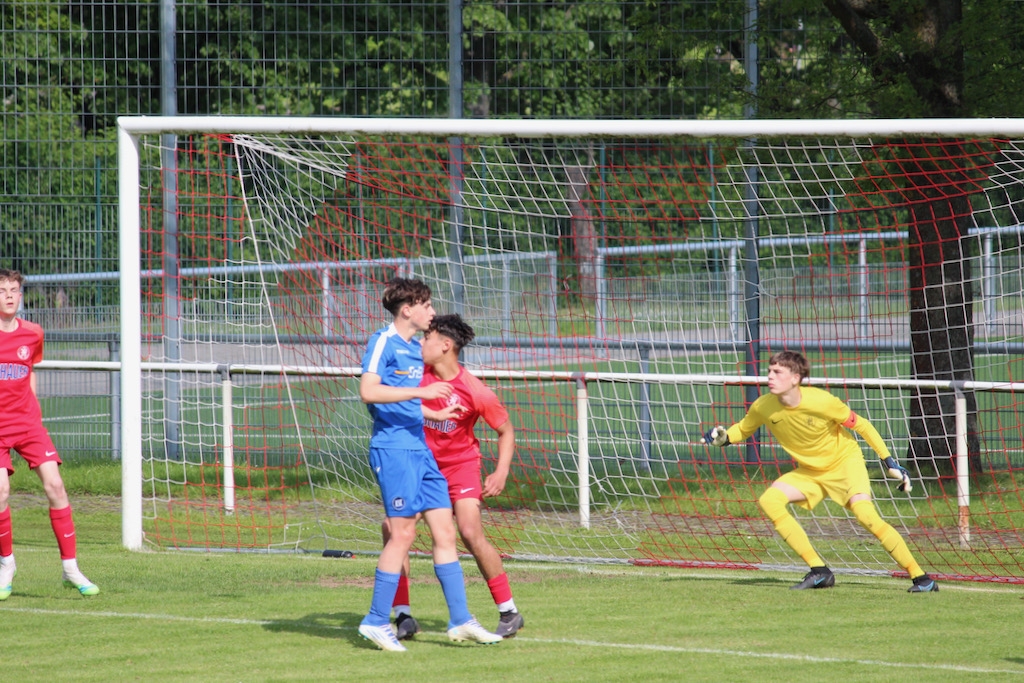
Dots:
pixel 409 481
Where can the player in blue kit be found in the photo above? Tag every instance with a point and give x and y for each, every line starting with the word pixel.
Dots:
pixel 410 482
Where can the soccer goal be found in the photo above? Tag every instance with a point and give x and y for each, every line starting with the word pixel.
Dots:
pixel 627 281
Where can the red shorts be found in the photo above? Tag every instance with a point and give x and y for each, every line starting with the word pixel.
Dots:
pixel 34 445
pixel 463 480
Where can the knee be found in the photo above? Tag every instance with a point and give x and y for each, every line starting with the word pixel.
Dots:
pixel 402 535
pixel 473 537
pixel 866 515
pixel 443 535
pixel 56 494
pixel 773 502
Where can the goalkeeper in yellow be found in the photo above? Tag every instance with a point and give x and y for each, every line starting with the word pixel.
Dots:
pixel 814 426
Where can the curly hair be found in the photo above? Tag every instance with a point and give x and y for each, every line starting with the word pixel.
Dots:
pixel 454 327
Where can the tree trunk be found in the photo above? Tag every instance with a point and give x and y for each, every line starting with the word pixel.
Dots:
pixel 941 324
pixel 941 303
pixel 920 41
pixel 583 231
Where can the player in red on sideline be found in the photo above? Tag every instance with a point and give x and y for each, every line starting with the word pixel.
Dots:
pixel 449 424
pixel 21 429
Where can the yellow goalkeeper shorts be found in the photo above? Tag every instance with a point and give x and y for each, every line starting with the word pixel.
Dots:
pixel 840 483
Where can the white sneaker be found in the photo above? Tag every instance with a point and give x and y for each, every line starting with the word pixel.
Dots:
pixel 472 630
pixel 7 572
pixel 381 636
pixel 78 581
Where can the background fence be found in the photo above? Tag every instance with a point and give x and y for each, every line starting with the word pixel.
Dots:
pixel 67 70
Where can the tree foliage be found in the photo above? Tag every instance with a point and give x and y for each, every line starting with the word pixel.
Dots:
pixel 70 69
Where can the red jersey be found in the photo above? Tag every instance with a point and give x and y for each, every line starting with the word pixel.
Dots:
pixel 20 350
pixel 454 441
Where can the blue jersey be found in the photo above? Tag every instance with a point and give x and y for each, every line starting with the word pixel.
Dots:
pixel 399 363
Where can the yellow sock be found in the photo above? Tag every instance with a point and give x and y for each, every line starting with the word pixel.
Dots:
pixel 867 515
pixel 773 502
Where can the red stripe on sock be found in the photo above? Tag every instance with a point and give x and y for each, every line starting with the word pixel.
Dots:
pixel 64 530
pixel 500 590
pixel 6 533
pixel 402 594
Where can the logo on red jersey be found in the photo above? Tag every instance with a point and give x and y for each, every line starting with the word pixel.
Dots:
pixel 12 371
pixel 24 352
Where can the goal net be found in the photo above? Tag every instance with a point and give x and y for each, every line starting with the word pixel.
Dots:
pixel 627 282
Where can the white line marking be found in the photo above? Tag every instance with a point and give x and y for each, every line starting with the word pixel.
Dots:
pixel 550 641
pixel 774 655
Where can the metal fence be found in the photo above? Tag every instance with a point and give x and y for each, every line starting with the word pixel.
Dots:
pixel 68 70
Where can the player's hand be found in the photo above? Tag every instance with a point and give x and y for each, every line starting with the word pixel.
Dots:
pixel 451 412
pixel 896 471
pixel 435 390
pixel 494 484
pixel 716 436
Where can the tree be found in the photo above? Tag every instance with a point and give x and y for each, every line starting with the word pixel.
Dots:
pixel 920 55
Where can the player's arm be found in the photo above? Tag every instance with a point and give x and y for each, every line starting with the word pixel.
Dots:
pixel 446 413
pixel 36 358
pixel 867 431
pixel 494 484
pixel 737 433
pixel 372 390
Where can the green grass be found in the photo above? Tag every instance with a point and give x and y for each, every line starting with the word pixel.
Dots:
pixel 173 616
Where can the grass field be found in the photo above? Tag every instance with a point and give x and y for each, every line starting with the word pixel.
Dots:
pixel 173 616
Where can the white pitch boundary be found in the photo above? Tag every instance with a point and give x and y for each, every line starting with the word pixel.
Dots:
pixel 714 652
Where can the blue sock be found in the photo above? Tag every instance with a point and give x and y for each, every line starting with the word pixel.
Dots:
pixel 384 586
pixel 454 587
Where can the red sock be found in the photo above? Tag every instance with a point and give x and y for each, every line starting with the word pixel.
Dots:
pixel 64 530
pixel 402 594
pixel 6 537
pixel 500 590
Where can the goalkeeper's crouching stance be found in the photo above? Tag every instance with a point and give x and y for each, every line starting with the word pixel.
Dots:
pixel 813 426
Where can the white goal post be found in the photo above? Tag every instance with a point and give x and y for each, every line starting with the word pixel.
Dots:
pixel 627 281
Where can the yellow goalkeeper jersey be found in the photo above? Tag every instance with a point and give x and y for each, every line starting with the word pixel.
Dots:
pixel 816 433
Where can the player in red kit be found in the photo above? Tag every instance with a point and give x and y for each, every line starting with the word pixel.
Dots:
pixel 21 429
pixel 449 425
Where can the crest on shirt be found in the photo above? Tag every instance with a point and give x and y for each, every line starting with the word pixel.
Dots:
pixel 24 353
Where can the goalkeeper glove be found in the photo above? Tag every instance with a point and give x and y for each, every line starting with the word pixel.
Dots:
pixel 898 472
pixel 716 436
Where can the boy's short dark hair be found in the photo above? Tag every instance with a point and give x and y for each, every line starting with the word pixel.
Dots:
pixel 13 275
pixel 401 291
pixel 794 360
pixel 454 327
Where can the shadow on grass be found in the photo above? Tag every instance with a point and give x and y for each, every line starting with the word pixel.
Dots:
pixel 345 625
pixel 335 625
pixel 841 581
pixel 776 582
